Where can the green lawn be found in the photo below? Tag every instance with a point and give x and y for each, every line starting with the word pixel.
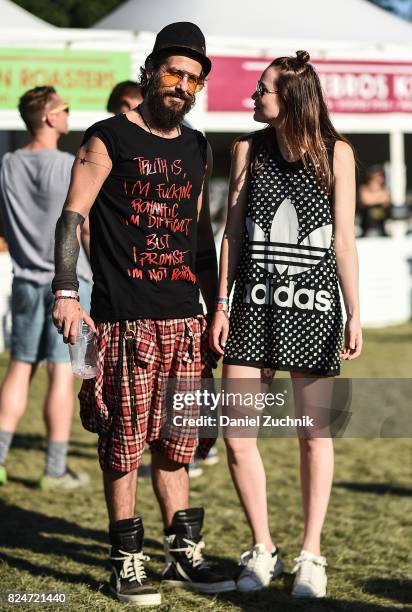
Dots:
pixel 59 543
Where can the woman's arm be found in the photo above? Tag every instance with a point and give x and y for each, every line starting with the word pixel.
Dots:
pixel 232 238
pixel 345 245
pixel 233 234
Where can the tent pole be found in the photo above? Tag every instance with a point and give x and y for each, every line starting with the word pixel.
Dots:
pixel 397 166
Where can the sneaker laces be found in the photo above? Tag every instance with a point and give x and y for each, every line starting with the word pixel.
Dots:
pixel 251 559
pixel 133 568
pixel 193 552
pixel 304 564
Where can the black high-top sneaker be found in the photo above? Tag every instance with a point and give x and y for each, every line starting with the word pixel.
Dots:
pixel 128 581
pixel 185 565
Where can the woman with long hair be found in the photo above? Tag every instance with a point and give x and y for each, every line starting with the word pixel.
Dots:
pixel 288 245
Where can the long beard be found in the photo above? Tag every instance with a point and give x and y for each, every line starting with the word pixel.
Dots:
pixel 164 117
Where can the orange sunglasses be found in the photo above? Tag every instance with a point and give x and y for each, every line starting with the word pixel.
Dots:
pixel 171 78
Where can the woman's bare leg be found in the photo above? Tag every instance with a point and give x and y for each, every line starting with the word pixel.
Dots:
pixel 245 463
pixel 313 397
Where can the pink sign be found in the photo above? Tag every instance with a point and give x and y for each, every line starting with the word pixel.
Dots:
pixel 350 86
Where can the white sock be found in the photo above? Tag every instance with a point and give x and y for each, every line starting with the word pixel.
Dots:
pixel 5 441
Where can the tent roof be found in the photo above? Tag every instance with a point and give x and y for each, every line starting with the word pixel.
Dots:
pixel 351 20
pixel 13 16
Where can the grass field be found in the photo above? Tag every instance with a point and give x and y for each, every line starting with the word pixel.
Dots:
pixel 52 542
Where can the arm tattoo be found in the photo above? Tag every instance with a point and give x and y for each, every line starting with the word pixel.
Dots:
pixel 83 161
pixel 96 152
pixel 66 251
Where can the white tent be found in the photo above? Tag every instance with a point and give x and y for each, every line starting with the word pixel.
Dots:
pixel 13 16
pixel 327 20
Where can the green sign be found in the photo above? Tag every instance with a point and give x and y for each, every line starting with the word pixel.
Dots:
pixel 83 78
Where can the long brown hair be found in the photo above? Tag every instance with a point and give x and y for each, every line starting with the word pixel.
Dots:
pixel 306 118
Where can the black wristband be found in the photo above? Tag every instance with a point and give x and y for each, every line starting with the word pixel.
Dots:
pixel 66 251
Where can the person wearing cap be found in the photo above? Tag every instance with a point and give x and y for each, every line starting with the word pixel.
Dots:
pixel 143 176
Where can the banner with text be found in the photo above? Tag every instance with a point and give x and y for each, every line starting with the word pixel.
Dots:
pixel 83 78
pixel 349 86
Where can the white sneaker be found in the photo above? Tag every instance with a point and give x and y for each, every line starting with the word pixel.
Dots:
pixel 260 567
pixel 310 575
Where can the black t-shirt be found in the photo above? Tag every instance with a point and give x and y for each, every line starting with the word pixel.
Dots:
pixel 143 225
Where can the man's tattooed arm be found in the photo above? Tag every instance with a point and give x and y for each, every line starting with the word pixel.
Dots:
pixel 85 185
pixel 86 181
pixel 66 250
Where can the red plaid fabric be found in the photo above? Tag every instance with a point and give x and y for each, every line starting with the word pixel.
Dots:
pixel 164 350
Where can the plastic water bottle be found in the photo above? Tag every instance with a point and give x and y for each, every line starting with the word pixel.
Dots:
pixel 83 354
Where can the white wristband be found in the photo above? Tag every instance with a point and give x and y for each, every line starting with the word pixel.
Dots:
pixel 66 293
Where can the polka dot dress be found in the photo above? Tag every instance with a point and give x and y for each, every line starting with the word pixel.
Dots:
pixel 286 312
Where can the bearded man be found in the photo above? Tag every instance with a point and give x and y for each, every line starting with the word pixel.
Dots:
pixel 143 176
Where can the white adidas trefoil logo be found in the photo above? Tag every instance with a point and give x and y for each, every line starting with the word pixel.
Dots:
pixel 282 251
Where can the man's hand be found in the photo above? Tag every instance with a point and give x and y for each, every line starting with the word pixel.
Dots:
pixel 66 317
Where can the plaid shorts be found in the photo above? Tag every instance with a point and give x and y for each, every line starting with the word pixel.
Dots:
pixel 125 415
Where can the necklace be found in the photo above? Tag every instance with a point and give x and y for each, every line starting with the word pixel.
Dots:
pixel 143 119
pixel 178 128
